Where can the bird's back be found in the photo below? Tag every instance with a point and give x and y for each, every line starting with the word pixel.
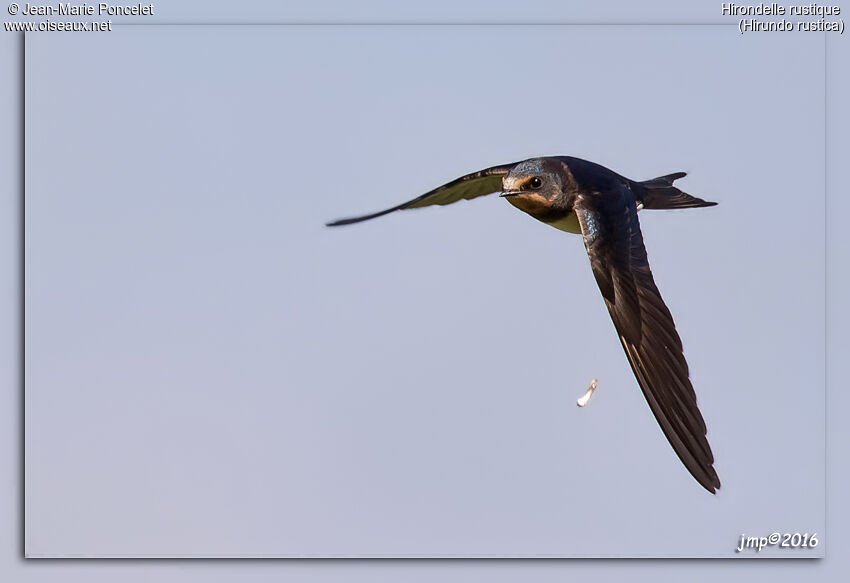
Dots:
pixel 657 193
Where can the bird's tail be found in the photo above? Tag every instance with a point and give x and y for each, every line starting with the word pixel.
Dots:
pixel 659 193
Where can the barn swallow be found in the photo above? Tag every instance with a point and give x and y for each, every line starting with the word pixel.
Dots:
pixel 581 197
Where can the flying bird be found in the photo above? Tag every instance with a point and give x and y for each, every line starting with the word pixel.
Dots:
pixel 582 197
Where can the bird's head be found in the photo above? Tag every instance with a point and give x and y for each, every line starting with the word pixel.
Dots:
pixel 539 181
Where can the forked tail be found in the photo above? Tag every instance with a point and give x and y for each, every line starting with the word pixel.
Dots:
pixel 659 193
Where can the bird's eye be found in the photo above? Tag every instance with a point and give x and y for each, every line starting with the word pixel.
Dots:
pixel 535 183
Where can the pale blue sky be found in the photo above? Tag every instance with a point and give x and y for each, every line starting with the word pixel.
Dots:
pixel 175 256
pixel 212 355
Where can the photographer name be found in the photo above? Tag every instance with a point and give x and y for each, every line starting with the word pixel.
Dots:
pixel 99 9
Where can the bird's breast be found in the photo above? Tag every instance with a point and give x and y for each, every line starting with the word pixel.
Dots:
pixel 568 223
pixel 539 207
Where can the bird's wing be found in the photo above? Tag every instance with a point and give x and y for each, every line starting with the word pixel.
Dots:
pixel 470 186
pixel 609 225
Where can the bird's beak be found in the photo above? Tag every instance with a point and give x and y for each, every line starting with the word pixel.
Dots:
pixel 510 192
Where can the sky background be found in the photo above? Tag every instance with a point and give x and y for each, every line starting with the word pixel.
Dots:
pixel 206 362
pixel 178 439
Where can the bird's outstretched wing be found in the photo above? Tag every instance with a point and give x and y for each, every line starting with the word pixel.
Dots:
pixel 614 243
pixel 470 186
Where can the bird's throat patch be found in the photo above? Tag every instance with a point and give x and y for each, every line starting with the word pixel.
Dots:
pixel 532 203
pixel 539 207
